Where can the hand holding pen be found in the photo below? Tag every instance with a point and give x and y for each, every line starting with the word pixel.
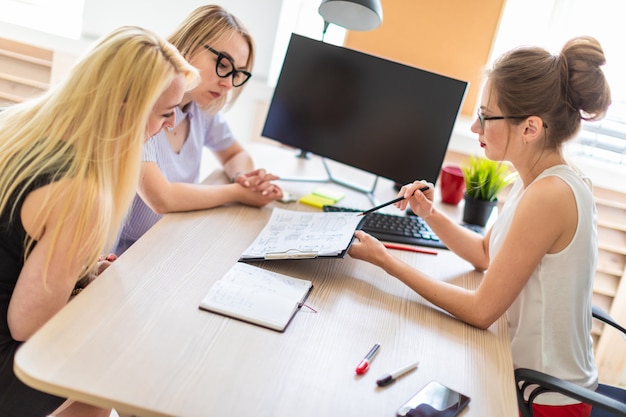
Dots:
pixel 388 203
pixel 420 202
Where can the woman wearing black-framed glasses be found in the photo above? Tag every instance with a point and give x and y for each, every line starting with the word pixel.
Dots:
pixel 540 255
pixel 225 67
pixel 219 46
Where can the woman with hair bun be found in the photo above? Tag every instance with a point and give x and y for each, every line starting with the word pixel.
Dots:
pixel 540 255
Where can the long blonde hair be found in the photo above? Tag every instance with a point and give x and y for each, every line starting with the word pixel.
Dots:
pixel 90 127
pixel 207 25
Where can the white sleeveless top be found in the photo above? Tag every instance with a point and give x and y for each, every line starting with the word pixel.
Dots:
pixel 550 321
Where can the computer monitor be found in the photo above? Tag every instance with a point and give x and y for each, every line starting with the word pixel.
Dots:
pixel 380 116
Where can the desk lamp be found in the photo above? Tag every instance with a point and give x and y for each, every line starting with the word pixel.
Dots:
pixel 351 14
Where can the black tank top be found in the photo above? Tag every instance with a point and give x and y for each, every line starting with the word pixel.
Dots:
pixel 12 239
pixel 17 399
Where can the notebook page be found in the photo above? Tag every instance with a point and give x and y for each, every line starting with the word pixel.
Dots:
pixel 288 231
pixel 256 295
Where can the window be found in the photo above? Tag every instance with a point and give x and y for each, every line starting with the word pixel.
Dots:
pixel 301 17
pixel 57 17
pixel 550 23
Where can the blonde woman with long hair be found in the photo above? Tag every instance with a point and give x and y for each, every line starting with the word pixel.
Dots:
pixel 70 165
pixel 217 43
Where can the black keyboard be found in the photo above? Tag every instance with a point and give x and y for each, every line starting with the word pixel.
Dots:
pixel 411 230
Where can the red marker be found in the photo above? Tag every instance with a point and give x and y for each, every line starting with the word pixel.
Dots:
pixel 364 365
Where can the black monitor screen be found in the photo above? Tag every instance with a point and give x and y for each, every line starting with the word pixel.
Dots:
pixel 380 116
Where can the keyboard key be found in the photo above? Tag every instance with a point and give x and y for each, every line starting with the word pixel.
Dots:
pixel 411 230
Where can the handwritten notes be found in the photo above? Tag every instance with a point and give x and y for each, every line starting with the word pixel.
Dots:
pixel 297 234
pixel 257 296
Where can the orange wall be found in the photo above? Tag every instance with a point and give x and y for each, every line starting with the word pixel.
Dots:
pixel 449 37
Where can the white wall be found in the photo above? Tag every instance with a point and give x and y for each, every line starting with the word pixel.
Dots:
pixel 162 16
pixel 101 16
pixel 261 17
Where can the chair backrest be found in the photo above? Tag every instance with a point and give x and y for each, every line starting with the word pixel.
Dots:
pixel 606 401
pixel 601 315
pixel 539 383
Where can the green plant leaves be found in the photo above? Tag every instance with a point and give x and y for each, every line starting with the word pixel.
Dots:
pixel 485 178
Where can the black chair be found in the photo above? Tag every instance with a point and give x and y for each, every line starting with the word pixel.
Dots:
pixel 606 401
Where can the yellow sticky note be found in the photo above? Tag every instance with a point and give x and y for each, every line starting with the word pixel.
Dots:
pixel 316 200
pixel 330 193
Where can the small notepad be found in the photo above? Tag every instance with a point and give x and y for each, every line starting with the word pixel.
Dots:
pixel 257 296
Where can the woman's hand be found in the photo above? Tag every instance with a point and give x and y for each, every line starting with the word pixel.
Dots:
pixel 421 202
pixel 367 248
pixel 103 263
pixel 254 198
pixel 258 180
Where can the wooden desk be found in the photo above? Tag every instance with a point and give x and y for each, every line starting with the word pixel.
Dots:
pixel 136 340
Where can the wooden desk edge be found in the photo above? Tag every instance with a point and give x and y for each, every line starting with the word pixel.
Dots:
pixel 19 369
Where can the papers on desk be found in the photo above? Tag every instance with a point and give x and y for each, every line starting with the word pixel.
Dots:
pixel 258 296
pixel 301 235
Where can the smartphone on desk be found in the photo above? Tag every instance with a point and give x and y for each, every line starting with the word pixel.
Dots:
pixel 434 400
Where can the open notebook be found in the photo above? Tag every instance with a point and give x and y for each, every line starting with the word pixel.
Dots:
pixel 258 296
pixel 293 234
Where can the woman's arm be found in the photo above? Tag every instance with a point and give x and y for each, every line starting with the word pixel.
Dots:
pixel 545 222
pixel 43 288
pixel 235 160
pixel 163 196
pixel 239 167
pixel 469 245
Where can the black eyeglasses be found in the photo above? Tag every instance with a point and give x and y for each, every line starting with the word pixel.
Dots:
pixel 482 118
pixel 225 67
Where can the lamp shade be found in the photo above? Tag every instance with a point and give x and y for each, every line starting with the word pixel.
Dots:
pixel 352 14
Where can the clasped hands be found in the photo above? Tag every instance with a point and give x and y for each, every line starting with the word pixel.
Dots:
pixel 260 181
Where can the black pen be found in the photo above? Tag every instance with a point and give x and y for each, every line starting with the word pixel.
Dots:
pixel 391 377
pixel 388 203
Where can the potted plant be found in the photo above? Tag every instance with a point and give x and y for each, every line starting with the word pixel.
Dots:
pixel 484 179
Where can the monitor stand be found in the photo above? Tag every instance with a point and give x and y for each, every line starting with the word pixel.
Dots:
pixel 330 178
pixel 369 193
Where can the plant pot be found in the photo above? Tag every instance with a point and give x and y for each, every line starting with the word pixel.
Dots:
pixel 477 211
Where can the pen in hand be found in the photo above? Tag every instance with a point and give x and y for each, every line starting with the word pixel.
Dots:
pixel 388 203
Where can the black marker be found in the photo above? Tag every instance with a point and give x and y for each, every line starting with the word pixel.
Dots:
pixel 389 378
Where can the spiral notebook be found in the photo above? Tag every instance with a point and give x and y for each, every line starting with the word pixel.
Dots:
pixel 291 234
pixel 257 296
